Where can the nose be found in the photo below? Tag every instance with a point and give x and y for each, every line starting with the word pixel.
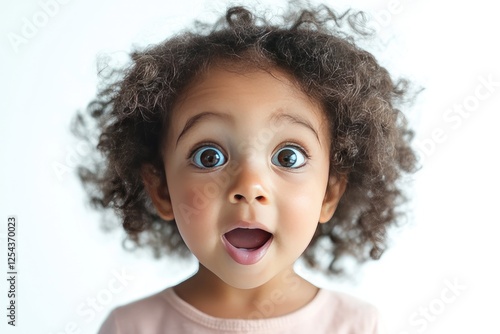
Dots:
pixel 249 186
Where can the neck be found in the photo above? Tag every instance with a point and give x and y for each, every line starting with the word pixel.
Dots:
pixel 283 294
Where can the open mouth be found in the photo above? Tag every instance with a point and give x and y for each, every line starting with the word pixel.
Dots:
pixel 247 245
pixel 246 238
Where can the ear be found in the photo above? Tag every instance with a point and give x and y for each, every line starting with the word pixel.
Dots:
pixel 334 191
pixel 156 186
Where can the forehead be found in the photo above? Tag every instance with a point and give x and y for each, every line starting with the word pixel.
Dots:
pixel 244 103
pixel 242 89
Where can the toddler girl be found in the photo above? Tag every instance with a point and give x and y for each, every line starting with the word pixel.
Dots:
pixel 250 144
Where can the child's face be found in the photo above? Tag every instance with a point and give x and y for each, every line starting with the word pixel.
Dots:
pixel 247 150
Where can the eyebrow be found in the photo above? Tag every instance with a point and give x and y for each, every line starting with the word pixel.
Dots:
pixel 191 122
pixel 296 119
pixel 276 117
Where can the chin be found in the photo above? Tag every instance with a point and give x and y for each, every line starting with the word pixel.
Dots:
pixel 245 281
pixel 245 285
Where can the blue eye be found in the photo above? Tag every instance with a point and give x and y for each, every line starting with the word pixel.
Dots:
pixel 208 157
pixel 289 157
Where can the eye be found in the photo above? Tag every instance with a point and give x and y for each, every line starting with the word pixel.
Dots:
pixel 208 157
pixel 289 157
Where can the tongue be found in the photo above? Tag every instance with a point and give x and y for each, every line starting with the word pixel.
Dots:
pixel 247 238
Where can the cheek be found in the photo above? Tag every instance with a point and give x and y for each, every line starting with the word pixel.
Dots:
pixel 190 203
pixel 194 209
pixel 300 209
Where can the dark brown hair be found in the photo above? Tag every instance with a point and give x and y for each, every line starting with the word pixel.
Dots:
pixel 370 140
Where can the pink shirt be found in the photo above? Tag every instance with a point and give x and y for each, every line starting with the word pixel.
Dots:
pixel 165 312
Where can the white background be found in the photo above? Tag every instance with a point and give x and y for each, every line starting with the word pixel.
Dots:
pixel 65 261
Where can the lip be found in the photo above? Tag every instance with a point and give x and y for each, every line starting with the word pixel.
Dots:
pixel 247 256
pixel 246 224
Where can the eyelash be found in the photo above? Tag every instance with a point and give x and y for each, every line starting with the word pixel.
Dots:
pixel 200 145
pixel 295 146
pixel 302 148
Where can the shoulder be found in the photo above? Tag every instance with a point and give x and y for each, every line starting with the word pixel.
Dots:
pixel 346 311
pixel 143 315
pixel 349 304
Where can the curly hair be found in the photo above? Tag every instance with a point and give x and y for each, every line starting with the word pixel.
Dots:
pixel 370 138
